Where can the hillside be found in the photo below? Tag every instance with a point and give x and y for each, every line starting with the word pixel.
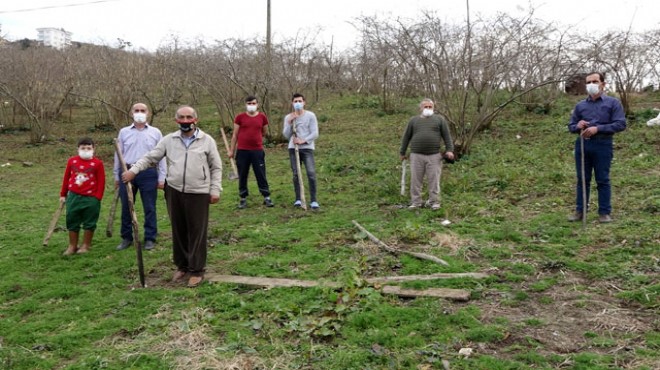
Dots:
pixel 557 295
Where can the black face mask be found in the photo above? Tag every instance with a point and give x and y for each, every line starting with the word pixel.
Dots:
pixel 185 127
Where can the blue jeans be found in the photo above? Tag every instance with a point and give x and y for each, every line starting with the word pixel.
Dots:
pixel 598 155
pixel 256 159
pixel 147 183
pixel 307 159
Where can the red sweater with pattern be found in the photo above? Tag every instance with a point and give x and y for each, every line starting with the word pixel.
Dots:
pixel 84 177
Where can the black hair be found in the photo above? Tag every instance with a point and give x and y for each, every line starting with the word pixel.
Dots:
pixel 601 75
pixel 250 98
pixel 298 95
pixel 86 141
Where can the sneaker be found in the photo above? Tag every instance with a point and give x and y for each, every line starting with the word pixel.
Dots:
pixel 414 206
pixel 577 216
pixel 242 204
pixel 268 202
pixel 435 206
pixel 149 245
pixel 125 243
pixel 82 250
pixel 297 203
pixel 315 205
pixel 604 219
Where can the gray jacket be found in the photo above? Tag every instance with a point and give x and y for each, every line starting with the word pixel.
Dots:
pixel 307 128
pixel 196 169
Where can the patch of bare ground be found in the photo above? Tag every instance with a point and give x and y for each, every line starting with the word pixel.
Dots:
pixel 566 318
pixel 187 343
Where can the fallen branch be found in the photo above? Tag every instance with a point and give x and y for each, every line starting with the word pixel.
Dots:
pixel 392 250
pixel 455 294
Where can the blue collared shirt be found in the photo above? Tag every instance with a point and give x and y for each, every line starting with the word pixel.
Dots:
pixel 135 143
pixel 605 112
pixel 187 140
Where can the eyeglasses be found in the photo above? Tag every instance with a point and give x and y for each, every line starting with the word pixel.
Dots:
pixel 139 110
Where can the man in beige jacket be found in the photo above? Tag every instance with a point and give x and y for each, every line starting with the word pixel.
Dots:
pixel 194 180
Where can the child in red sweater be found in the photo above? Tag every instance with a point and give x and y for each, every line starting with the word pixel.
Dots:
pixel 82 190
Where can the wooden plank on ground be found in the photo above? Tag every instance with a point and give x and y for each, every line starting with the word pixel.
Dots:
pixel 441 275
pixel 268 282
pixel 456 294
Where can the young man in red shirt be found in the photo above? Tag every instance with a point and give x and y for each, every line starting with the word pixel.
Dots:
pixel 247 142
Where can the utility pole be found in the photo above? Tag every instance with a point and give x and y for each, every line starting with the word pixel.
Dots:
pixel 268 63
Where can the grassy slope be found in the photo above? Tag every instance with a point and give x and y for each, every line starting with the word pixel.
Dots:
pixel 559 295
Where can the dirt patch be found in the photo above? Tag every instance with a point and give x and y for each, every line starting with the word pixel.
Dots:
pixel 573 316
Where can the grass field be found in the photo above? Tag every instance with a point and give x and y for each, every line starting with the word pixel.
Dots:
pixel 558 295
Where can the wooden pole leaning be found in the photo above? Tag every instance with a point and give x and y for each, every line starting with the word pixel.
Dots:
pixel 232 175
pixel 301 183
pixel 111 215
pixel 53 223
pixel 403 177
pixel 131 209
pixel 584 182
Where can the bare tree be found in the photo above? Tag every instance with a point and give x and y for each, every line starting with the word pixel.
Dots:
pixel 38 80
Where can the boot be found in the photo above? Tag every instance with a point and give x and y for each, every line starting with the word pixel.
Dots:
pixel 87 241
pixel 73 243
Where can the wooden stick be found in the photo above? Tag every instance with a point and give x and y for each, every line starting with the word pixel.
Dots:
pixel 301 183
pixel 392 250
pixel 131 209
pixel 232 161
pixel 455 294
pixel 403 177
pixel 584 182
pixel 53 223
pixel 111 216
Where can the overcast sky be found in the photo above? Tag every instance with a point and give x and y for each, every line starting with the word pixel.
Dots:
pixel 150 23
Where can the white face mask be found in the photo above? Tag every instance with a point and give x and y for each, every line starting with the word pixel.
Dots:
pixel 251 108
pixel 139 117
pixel 427 112
pixel 593 89
pixel 86 154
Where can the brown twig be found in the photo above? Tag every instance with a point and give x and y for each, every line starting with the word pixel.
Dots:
pixel 393 250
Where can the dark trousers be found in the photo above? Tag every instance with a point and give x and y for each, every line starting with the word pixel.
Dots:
pixel 256 159
pixel 189 215
pixel 307 159
pixel 146 182
pixel 598 155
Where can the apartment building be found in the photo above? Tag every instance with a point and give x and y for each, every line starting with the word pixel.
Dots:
pixel 54 37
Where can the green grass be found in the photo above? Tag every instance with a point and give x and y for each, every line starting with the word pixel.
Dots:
pixel 558 295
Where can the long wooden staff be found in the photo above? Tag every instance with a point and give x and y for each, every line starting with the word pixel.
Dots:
pixel 53 222
pixel 232 175
pixel 131 208
pixel 111 216
pixel 584 183
pixel 301 183
pixel 403 177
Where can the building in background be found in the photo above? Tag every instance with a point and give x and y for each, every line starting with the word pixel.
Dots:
pixel 54 37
